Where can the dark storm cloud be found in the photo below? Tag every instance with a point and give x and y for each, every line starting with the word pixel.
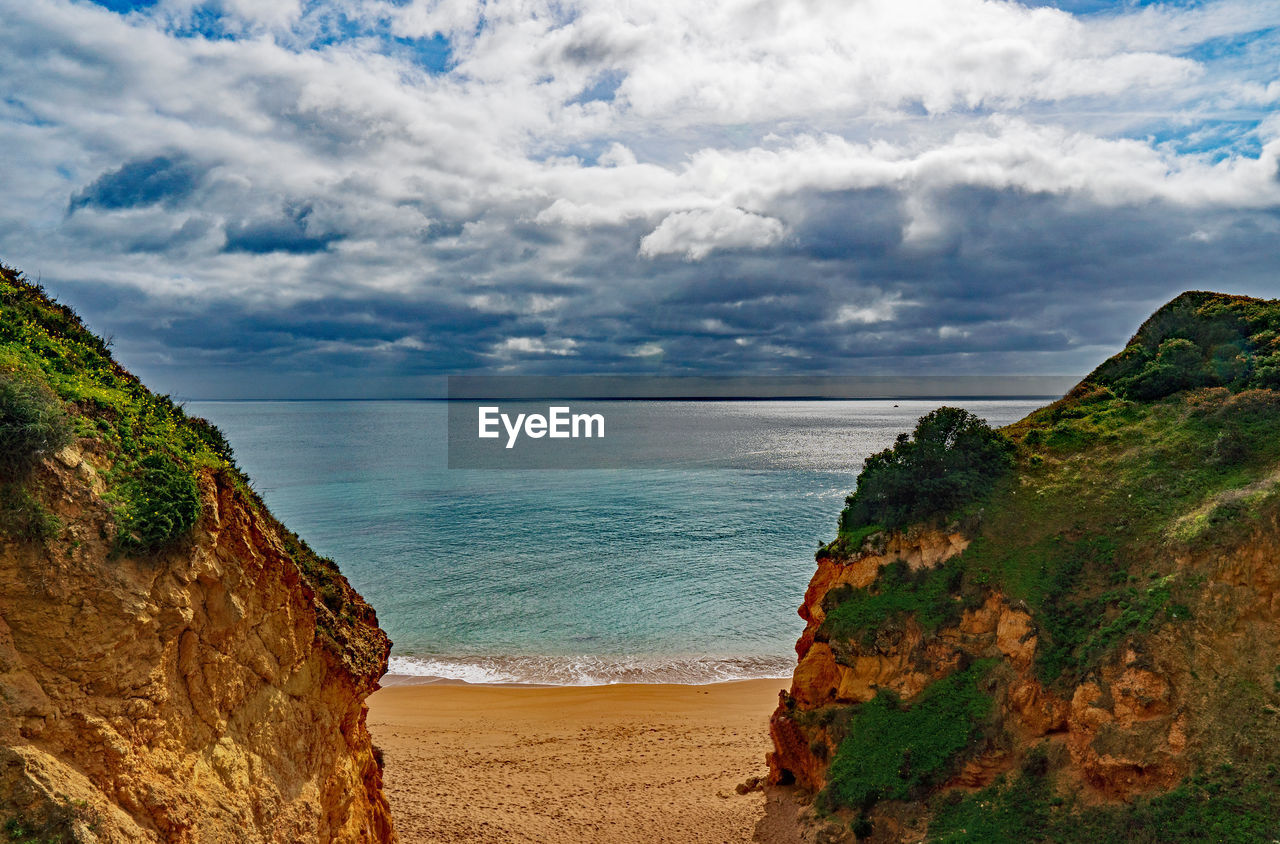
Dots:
pixel 849 224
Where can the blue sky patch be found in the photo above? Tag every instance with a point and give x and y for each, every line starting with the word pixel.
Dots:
pixel 123 7
pixel 147 181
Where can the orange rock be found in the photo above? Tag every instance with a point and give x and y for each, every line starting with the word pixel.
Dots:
pixel 188 697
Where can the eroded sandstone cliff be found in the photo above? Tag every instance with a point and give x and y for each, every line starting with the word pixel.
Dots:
pixel 1089 653
pixel 209 689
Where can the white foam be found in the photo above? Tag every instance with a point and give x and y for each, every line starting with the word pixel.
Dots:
pixel 586 670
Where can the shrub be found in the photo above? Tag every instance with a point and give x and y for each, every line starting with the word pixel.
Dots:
pixel 23 517
pixel 1224 804
pixel 1198 339
pixel 1177 365
pixel 211 435
pixel 930 595
pixel 164 503
pixel 892 751
pixel 951 459
pixel 32 423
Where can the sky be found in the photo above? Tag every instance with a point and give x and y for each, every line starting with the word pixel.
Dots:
pixel 313 198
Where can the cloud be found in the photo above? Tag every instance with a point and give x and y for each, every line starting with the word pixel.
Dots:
pixel 534 346
pixel 376 191
pixel 286 233
pixel 695 234
pixel 883 310
pixel 645 350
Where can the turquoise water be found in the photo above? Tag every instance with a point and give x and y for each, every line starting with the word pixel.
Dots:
pixel 686 574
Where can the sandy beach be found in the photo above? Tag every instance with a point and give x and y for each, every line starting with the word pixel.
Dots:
pixel 624 763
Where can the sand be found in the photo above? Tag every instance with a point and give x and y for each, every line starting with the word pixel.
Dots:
pixel 627 763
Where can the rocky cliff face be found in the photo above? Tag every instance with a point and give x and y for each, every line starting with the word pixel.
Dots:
pixel 1117 598
pixel 187 697
pixel 1158 709
pixel 206 687
pixel 1124 729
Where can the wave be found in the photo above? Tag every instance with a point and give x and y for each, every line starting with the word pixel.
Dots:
pixel 585 670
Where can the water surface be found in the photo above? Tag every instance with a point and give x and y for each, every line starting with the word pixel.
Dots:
pixel 691 573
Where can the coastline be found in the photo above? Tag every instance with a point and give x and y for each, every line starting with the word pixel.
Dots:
pixel 608 763
pixel 590 669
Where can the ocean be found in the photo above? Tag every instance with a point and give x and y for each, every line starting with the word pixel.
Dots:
pixel 688 573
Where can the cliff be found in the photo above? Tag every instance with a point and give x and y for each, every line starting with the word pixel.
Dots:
pixel 175 665
pixel 1089 650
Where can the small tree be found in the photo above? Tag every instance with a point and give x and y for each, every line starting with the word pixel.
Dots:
pixel 951 459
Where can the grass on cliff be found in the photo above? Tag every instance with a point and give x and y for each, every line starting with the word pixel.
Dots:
pixel 58 381
pixel 892 751
pixel 1088 533
pixel 1106 493
pixel 934 597
pixel 1226 804
pixel 59 384
pixel 1165 453
pixel 1198 340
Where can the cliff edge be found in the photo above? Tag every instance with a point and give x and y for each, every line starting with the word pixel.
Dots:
pixel 1081 644
pixel 175 665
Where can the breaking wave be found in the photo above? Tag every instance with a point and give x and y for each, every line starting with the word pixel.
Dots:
pixel 585 670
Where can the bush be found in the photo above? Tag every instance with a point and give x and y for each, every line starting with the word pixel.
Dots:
pixel 1224 804
pixel 951 459
pixel 1177 365
pixel 164 503
pixel 211 435
pixel 929 595
pixel 891 752
pixel 23 517
pixel 32 423
pixel 1198 339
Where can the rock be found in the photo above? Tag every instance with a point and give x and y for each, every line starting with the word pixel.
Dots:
pixel 191 697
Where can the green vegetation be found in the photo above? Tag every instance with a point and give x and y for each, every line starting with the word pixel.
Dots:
pixel 32 422
pixel 163 505
pixel 58 825
pixel 892 752
pixel 60 381
pixel 18 832
pixel 1084 533
pixel 33 425
pixel 849 541
pixel 1223 805
pixel 932 596
pixel 1077 640
pixel 1166 454
pixel 59 384
pixel 23 517
pixel 1198 340
pixel 951 459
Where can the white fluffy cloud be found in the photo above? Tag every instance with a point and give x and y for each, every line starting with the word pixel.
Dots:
pixel 695 234
pixel 759 101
